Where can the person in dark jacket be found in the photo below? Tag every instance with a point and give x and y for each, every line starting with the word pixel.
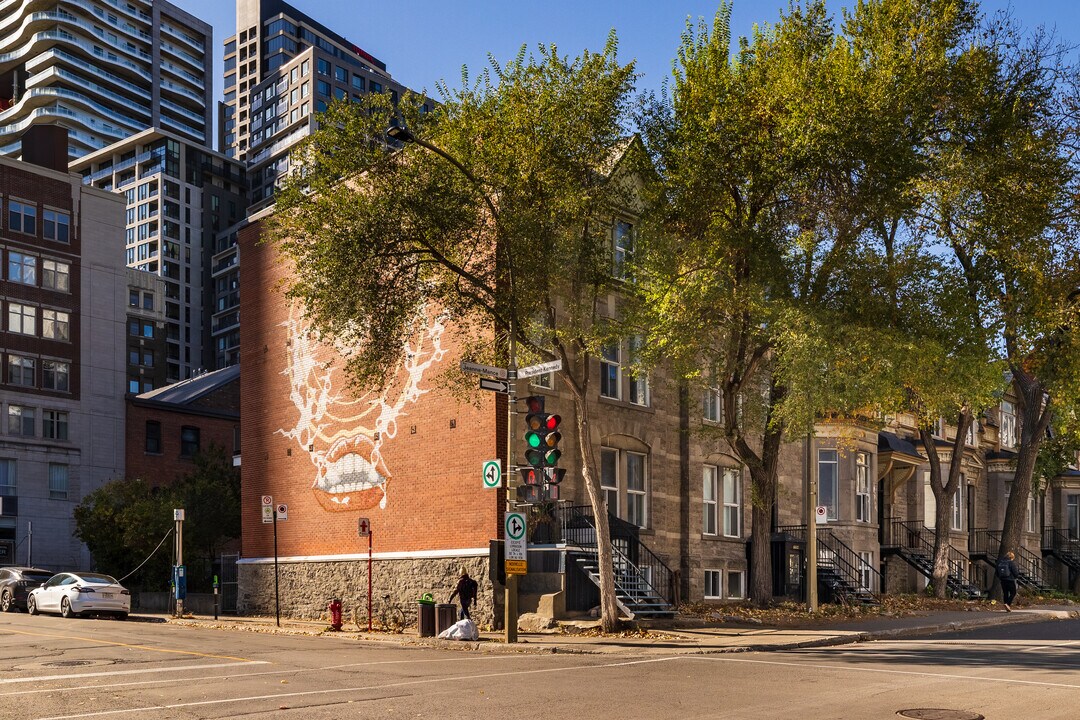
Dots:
pixel 465 592
pixel 1008 575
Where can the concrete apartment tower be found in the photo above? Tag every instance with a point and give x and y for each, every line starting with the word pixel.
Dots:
pixel 103 69
pixel 281 68
pixel 180 197
pixel 62 344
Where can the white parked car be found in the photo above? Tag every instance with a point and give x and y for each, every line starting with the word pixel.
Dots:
pixel 72 594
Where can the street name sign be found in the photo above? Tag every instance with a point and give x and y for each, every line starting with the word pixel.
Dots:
pixel 492 473
pixel 499 386
pixel 516 546
pixel 533 370
pixel 478 369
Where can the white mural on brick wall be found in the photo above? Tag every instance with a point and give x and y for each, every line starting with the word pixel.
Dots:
pixel 342 433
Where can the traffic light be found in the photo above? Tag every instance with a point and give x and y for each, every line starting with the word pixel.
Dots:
pixel 542 453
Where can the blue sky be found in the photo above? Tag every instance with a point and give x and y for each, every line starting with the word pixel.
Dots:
pixel 423 41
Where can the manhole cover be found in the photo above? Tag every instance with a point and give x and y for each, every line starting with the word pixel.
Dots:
pixel 68 663
pixel 939 714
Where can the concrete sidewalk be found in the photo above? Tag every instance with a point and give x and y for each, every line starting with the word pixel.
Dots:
pixel 721 638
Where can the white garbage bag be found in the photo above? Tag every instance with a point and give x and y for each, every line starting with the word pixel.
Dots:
pixel 461 630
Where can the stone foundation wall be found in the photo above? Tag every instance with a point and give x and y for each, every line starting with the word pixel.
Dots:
pixel 307 587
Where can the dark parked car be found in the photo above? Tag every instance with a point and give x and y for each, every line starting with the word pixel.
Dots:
pixel 16 583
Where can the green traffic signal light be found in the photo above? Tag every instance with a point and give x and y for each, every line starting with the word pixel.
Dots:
pixel 533 439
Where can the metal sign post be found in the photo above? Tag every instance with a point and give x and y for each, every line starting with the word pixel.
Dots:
pixel 363 527
pixel 181 581
pixel 277 592
pixel 29 543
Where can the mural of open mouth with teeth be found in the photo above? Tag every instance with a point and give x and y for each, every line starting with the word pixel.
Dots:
pixel 343 432
pixel 352 476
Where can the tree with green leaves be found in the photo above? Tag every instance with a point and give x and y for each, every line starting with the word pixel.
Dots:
pixel 766 184
pixel 123 522
pixel 500 216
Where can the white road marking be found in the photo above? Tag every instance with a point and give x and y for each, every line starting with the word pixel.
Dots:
pixel 1046 647
pixel 233 676
pixel 848 668
pixel 363 688
pixel 143 671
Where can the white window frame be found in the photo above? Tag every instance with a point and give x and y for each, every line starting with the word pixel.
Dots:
pixel 957 520
pixel 833 508
pixel 709 501
pixel 972 438
pixel 58 481
pixel 739 594
pixel 55 325
pixel 57 421
pixel 866 576
pixel 22 318
pixel 23 363
pixel 731 520
pixel 1032 512
pixel 8 476
pixel 61 226
pixel 713 582
pixel 543 380
pixel 710 404
pixel 864 505
pixel 18 417
pixel 639 384
pixel 60 372
pixel 609 486
pixel 939 428
pixel 55 275
pixel 621 251
pixel 22 268
pixel 1008 424
pixel 611 357
pixel 637 499
pixel 1072 516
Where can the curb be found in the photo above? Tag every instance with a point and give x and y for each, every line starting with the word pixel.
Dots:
pixel 527 647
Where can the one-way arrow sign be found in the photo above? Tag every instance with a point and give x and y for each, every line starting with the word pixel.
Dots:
pixel 499 386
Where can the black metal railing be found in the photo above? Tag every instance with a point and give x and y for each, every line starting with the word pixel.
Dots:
pixel 858 569
pixel 834 553
pixel 1059 543
pixel 988 542
pixel 914 536
pixel 577 527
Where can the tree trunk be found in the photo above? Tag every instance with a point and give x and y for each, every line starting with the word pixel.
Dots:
pixel 609 611
pixel 944 494
pixel 1034 420
pixel 761 586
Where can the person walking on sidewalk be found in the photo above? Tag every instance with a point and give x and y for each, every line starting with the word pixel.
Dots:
pixel 1008 575
pixel 465 592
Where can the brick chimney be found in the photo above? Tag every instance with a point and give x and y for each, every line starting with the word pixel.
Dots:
pixel 47 146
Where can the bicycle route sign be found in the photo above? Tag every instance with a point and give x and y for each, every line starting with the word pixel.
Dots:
pixel 516 545
pixel 492 473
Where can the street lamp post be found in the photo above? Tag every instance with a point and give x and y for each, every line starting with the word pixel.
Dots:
pixel 510 604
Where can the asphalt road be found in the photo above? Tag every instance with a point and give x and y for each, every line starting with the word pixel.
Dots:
pixel 55 669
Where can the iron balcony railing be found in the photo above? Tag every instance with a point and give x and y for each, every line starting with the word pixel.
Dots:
pixel 577 527
pixel 841 557
pixel 988 542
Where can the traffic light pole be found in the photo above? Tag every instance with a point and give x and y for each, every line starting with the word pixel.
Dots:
pixel 510 604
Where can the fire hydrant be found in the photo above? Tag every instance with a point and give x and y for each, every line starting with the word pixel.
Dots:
pixel 335 614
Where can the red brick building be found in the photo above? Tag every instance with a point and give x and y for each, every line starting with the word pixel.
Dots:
pixel 167 427
pixel 408 459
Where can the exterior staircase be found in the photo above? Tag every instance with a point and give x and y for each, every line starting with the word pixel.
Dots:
pixel 911 541
pixel 984 546
pixel 644 586
pixel 840 570
pixel 1057 544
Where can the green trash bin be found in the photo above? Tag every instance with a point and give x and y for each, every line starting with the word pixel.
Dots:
pixel 425 616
